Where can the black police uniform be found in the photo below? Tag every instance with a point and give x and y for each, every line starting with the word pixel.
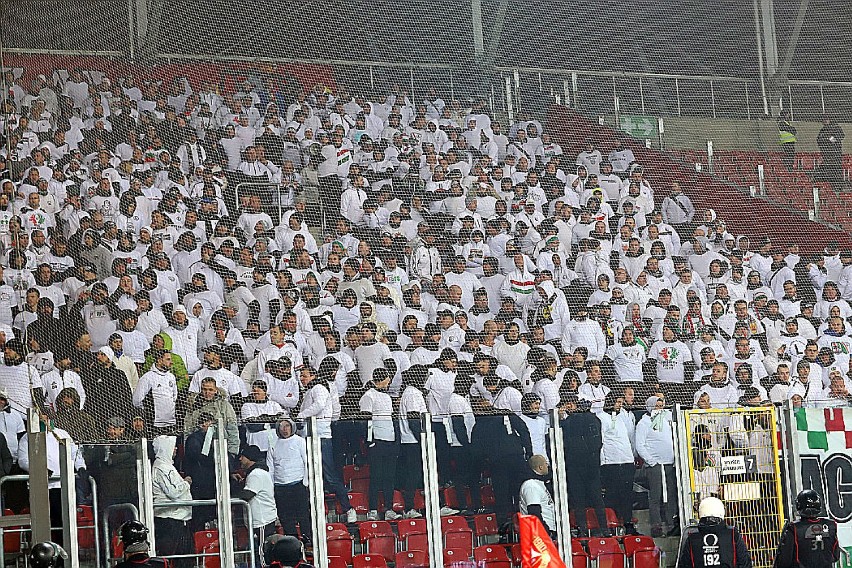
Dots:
pixel 713 546
pixel 808 543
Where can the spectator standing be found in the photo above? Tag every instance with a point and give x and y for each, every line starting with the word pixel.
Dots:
pixel 171 524
pixel 655 445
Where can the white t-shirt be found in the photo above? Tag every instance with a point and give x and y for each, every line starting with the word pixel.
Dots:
pixel 380 406
pixel 262 505
pixel 533 492
pixel 670 358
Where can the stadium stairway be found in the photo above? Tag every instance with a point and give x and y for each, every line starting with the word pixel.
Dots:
pixel 743 214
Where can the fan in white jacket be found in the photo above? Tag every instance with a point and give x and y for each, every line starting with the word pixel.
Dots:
pixel 167 484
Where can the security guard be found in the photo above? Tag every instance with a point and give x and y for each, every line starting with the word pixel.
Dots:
pixel 787 139
pixel 47 555
pixel 134 538
pixel 811 541
pixel 284 552
pixel 712 543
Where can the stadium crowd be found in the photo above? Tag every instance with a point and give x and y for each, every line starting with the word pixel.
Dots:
pixel 164 271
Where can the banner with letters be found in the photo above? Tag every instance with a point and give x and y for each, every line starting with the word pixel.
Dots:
pixel 823 438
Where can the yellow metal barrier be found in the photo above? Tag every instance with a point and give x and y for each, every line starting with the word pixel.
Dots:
pixel 733 455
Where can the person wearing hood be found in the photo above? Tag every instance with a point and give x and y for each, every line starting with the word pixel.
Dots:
pixel 94 253
pixel 108 393
pixel 184 333
pixel 581 431
pixel 171 524
pixel 259 490
pixel 376 405
pixel 618 428
pixel 157 392
pixel 655 445
pixel 288 458
pixel 163 342
pixel 808 388
pixel 537 424
pixel 550 310
pixel 534 498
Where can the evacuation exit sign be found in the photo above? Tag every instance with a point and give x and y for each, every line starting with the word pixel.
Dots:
pixel 638 126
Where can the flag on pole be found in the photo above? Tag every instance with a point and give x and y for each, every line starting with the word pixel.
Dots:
pixel 537 549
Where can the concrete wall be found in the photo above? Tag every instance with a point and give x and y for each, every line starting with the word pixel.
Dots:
pixel 727 134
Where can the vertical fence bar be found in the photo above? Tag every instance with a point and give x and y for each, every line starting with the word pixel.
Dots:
pixel 761 179
pixel 517 77
pixel 567 91
pixel 430 492
pixel 411 78
pixel 452 86
pixel 146 491
pixel 575 91
pixel 677 95
pixel 615 99
pixel 372 79
pixel 641 95
pixel 69 501
pixel 816 201
pixel 822 97
pixel 540 86
pixel 748 108
pixel 316 495
pixel 790 98
pixel 712 99
pixel 510 111
pixel 560 488
pixel 223 493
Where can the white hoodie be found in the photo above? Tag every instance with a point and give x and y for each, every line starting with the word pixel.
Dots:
pixel 166 482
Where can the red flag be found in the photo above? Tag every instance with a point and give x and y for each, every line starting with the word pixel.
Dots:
pixel 537 550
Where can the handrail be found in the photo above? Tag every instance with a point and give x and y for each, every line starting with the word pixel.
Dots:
pixel 26 477
pixel 194 502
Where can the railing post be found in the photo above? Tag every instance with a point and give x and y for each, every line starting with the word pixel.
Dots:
pixel 69 501
pixel 641 96
pixel 816 202
pixel 39 501
pixel 430 491
pixel 566 90
pixel 677 95
pixel 560 487
pixel 146 493
pixel 316 494
pixel 712 99
pixel 510 110
pixel 682 468
pixel 710 156
pixel 761 179
pixel 517 77
pixel 223 496
pixel 661 129
pixel 575 90
pixel 822 97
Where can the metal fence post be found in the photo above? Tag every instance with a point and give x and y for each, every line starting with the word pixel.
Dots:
pixel 146 493
pixel 677 95
pixel 39 500
pixel 712 99
pixel 710 156
pixel 67 456
pixel 682 468
pixel 560 488
pixel 510 109
pixel 316 494
pixel 761 179
pixel 430 492
pixel 816 202
pixel 223 494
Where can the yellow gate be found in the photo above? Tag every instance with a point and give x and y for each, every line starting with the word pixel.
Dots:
pixel 732 454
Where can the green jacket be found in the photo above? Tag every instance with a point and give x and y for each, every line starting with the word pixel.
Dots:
pixel 178 366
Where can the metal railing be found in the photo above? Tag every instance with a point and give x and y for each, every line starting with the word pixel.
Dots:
pixel 25 528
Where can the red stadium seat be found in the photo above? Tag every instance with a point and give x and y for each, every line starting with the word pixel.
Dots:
pixel 11 540
pixel 337 562
pixel 358 502
pixel 357 478
pixel 457 533
pixel 607 552
pixel 485 529
pixel 642 552
pixel 412 534
pixel 203 538
pixel 455 555
pixel 611 519
pixel 85 527
pixel 517 560
pixel 579 556
pixel 378 538
pixel 211 548
pixel 369 561
pixel 486 495
pixel 339 542
pixel 487 553
pixel 411 559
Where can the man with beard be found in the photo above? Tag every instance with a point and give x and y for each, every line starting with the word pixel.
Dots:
pixel 212 400
pixel 20 381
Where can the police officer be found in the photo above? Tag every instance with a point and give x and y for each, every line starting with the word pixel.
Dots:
pixel 47 555
pixel 811 541
pixel 713 543
pixel 134 538
pixel 284 552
